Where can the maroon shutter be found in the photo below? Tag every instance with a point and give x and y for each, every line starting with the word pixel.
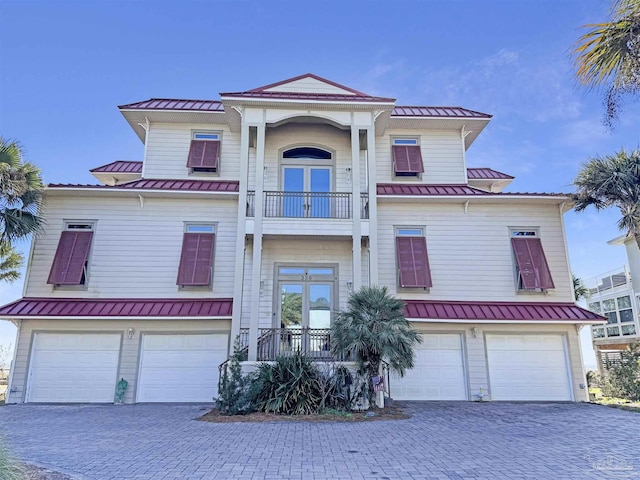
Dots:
pixel 532 263
pixel 413 262
pixel 196 259
pixel 71 257
pixel 204 154
pixel 407 159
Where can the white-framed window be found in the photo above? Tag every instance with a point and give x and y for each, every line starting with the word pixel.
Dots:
pixel 531 270
pixel 204 152
pixel 619 313
pixel 412 258
pixel 407 157
pixel 196 259
pixel 200 227
pixel 70 267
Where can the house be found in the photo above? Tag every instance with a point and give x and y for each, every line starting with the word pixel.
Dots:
pixel 616 295
pixel 254 217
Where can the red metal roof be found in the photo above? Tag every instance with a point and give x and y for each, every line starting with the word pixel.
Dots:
pixel 335 97
pixel 117 307
pixel 502 311
pixel 175 104
pixel 120 166
pixel 417 189
pixel 423 111
pixel 148 184
pixel 483 173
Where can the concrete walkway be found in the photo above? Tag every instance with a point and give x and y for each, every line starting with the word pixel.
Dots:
pixel 441 441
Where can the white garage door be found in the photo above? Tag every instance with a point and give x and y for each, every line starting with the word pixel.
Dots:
pixel 528 367
pixel 73 367
pixel 438 373
pixel 180 368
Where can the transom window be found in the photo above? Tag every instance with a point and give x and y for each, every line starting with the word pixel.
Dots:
pixel 405 141
pixel 310 153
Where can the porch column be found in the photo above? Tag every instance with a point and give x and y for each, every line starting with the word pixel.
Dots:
pixel 238 284
pixel 355 209
pixel 373 203
pixel 254 324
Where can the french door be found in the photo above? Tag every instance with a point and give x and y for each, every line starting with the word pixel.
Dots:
pixel 306 191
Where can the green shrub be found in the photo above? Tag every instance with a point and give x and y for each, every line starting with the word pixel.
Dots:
pixel 235 391
pixel 625 378
pixel 10 469
pixel 290 386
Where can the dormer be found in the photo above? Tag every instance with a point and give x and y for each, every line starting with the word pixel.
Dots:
pixel 488 179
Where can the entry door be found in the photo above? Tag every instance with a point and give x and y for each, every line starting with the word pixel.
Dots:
pixel 305 312
pixel 306 191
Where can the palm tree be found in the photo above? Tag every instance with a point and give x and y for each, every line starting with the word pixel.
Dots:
pixel 373 329
pixel 612 181
pixel 21 190
pixel 579 288
pixel 608 55
pixel 10 263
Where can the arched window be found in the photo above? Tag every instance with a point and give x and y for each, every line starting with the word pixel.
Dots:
pixel 307 152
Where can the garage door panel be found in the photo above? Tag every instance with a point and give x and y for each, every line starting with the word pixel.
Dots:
pixel 528 367
pixel 74 367
pixel 438 373
pixel 180 368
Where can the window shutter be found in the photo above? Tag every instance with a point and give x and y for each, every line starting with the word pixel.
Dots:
pixel 532 263
pixel 413 262
pixel 196 259
pixel 407 159
pixel 70 259
pixel 204 154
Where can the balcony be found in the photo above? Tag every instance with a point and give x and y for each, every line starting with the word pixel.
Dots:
pixel 332 205
pixel 608 281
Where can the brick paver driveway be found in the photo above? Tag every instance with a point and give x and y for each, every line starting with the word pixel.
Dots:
pixel 440 441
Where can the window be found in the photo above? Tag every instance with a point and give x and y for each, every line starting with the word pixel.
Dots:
pixel 196 259
pixel 204 152
pixel 412 258
pixel 532 270
pixel 624 309
pixel 71 261
pixel 407 157
pixel 598 332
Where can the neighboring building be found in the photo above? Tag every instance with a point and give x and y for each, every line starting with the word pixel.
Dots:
pixel 256 216
pixel 616 295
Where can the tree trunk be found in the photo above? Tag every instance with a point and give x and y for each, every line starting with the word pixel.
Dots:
pixel 637 237
pixel 373 370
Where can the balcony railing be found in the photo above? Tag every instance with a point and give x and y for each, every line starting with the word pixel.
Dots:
pixel 307 205
pixel 608 281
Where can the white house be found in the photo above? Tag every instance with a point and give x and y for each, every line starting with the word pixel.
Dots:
pixel 616 295
pixel 257 214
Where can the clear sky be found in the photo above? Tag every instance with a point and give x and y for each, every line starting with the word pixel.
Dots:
pixel 66 65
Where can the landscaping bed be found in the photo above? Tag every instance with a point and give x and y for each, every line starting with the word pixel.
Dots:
pixel 389 413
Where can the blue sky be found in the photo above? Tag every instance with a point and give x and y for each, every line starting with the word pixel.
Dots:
pixel 65 66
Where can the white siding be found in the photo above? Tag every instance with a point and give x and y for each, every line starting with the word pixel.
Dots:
pixel 135 251
pixel 442 156
pixel 309 85
pixel 130 352
pixel 168 149
pixel 476 354
pixel 470 254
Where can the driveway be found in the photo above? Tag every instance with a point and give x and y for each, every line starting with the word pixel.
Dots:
pixel 441 441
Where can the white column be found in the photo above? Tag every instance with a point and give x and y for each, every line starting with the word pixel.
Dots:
pixel 257 246
pixel 355 210
pixel 373 205
pixel 238 284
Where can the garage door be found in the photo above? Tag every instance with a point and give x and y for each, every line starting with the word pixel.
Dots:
pixel 73 367
pixel 180 368
pixel 528 367
pixel 438 373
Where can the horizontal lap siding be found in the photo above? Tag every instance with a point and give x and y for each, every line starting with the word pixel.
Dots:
pixel 136 251
pixel 168 149
pixel 129 354
pixel 470 254
pixel 442 157
pixel 476 355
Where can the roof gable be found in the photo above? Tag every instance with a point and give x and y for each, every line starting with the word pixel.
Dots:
pixel 308 83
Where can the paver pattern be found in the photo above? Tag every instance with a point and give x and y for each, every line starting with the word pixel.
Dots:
pixel 452 441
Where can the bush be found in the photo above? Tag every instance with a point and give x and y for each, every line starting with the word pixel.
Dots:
pixel 625 378
pixel 9 468
pixel 290 386
pixel 235 391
